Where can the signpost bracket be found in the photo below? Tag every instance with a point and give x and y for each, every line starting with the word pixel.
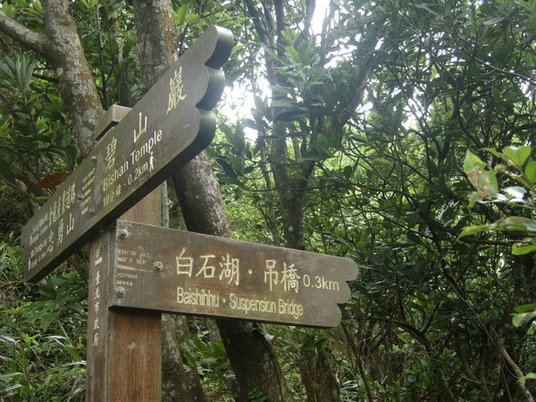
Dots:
pixel 109 119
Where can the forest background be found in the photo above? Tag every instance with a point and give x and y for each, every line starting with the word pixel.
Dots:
pixel 398 133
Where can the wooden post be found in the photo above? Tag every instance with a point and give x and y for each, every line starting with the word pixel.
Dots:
pixel 123 346
pixel 169 126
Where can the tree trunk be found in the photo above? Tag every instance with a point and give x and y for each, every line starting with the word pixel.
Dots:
pixel 292 174
pixel 319 366
pixel 319 381
pixel 177 384
pixel 155 46
pixel 251 356
pixel 77 85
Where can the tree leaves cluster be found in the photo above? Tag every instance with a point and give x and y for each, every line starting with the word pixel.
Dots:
pixel 387 186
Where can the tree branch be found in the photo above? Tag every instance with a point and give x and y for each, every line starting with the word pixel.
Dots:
pixel 513 366
pixel 26 37
pixel 257 21
pixel 365 56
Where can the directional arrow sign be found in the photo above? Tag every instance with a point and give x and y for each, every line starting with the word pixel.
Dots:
pixel 169 126
pixel 170 270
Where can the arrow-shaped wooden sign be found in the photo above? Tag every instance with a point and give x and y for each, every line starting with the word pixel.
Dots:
pixel 169 126
pixel 170 270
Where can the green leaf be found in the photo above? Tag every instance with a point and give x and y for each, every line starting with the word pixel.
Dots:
pixel 474 197
pixel 180 14
pixel 281 102
pixel 472 163
pixel 518 155
pixel 530 171
pixel 525 308
pixel 487 183
pixel 347 172
pixel 294 54
pixel 494 152
pixel 522 249
pixel 484 180
pixel 529 376
pixel 260 105
pixel 494 21
pixel 509 224
pixel 471 230
pixel 521 319
pixel 517 224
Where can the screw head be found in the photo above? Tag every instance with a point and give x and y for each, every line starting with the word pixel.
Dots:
pixel 123 234
pixel 120 291
pixel 158 265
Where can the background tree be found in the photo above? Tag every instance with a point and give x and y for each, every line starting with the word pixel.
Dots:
pixel 440 78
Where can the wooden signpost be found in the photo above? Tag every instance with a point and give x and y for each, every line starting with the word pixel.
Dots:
pixel 171 270
pixel 138 270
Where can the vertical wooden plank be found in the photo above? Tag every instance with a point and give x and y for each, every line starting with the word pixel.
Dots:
pixel 134 358
pixel 97 323
pixel 123 346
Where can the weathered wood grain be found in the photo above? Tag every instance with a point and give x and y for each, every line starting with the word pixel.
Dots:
pixel 123 346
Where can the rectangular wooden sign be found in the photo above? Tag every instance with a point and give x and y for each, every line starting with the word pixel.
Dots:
pixel 170 270
pixel 170 125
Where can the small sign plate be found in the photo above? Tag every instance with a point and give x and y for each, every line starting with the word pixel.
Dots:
pixel 171 270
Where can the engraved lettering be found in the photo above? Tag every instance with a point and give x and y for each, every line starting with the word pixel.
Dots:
pixel 197 297
pixel 111 178
pixel 175 91
pixel 146 148
pixel 184 264
pixel 271 276
pixel 290 278
pixel 142 128
pixel 249 304
pixel 230 269
pixel 290 308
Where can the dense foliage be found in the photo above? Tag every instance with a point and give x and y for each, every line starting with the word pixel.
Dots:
pixel 398 133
